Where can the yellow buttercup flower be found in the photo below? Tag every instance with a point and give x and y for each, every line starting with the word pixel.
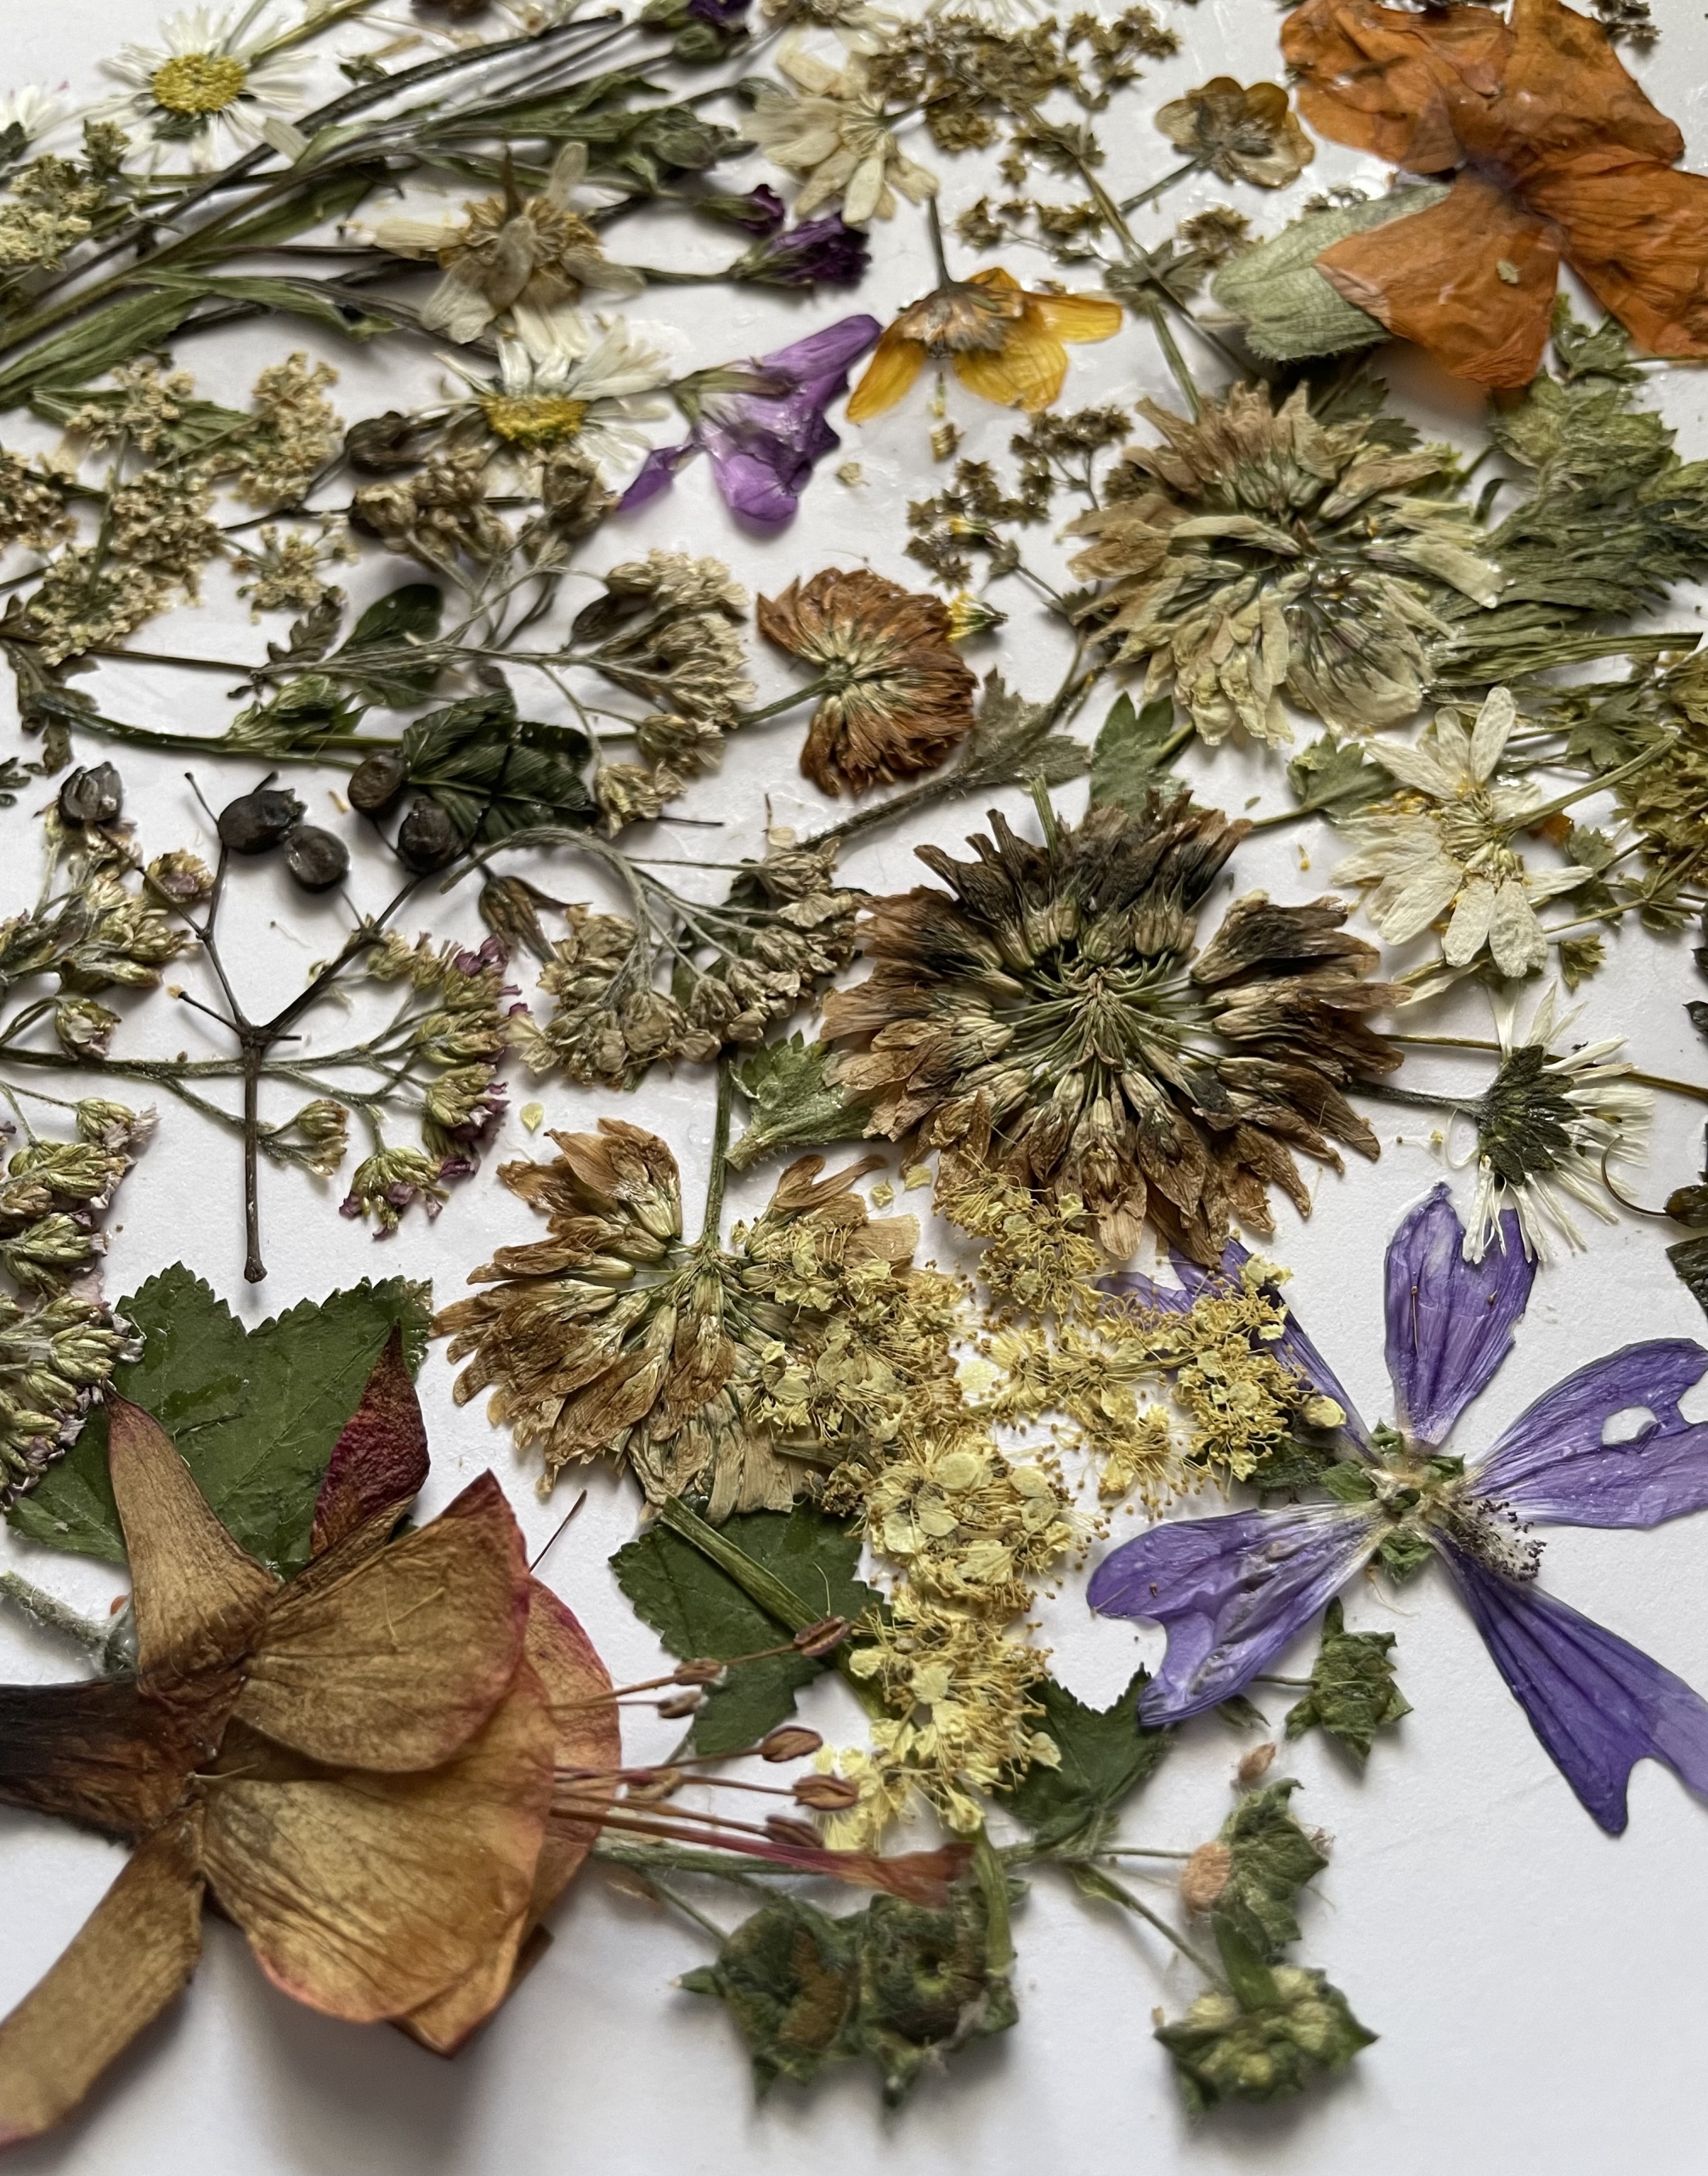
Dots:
pixel 1003 343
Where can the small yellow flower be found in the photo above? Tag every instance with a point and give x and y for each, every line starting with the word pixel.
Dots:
pixel 1003 343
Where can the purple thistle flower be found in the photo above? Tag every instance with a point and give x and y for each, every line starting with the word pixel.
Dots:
pixel 1234 1592
pixel 762 422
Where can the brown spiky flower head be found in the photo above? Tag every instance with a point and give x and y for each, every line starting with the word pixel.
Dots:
pixel 1058 998
pixel 896 696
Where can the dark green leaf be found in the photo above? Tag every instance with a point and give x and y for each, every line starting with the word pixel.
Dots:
pixel 697 1609
pixel 1689 1260
pixel 897 1982
pixel 1130 758
pixel 254 1413
pixel 793 1104
pixel 1352 1693
pixel 1106 1753
pixel 1273 1858
pixel 493 774
pixel 1224 2049
pixel 1327 773
pixel 112 335
pixel 277 296
pixel 1011 742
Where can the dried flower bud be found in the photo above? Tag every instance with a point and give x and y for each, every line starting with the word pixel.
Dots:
pixel 377 781
pixel 92 796
pixel 827 1794
pixel 651 1785
pixel 256 822
pixel 84 1026
pixel 822 1639
pixel 680 1704
pixel 380 443
pixel 1254 1766
pixel 317 859
pixel 115 1127
pixel 792 1742
pixel 1205 1876
pixel 783 1830
pixel 184 878
pixel 705 1670
pixel 426 839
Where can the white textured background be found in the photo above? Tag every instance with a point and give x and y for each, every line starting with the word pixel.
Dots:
pixel 1539 1989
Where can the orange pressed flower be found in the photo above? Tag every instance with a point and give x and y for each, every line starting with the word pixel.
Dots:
pixel 1003 343
pixel 1557 154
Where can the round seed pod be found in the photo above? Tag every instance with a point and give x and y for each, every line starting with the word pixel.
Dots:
pixel 256 822
pixel 317 859
pixel 377 781
pixel 92 796
pixel 426 839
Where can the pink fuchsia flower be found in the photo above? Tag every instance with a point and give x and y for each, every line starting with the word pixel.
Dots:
pixel 1234 1592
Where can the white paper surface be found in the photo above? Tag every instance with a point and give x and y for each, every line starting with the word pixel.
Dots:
pixel 1539 1988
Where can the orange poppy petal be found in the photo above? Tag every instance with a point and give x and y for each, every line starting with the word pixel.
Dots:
pixel 896 362
pixel 395 1664
pixel 1436 277
pixel 1634 236
pixel 366 1895
pixel 1077 317
pixel 198 1596
pixel 134 1953
pixel 1392 82
pixel 1026 371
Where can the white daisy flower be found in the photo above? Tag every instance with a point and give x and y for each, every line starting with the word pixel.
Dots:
pixel 205 90
pixel 1449 847
pixel 27 113
pixel 1548 1130
pixel 568 380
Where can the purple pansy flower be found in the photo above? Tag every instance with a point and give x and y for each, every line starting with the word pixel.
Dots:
pixel 1234 1592
pixel 762 422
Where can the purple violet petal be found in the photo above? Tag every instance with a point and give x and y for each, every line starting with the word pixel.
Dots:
pixel 1232 1591
pixel 758 488
pixel 1553 1467
pixel 1449 1322
pixel 826 353
pixel 658 471
pixel 1598 1704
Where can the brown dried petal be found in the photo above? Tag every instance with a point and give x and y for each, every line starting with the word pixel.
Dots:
pixel 380 1459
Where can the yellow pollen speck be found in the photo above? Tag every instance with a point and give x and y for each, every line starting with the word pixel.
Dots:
pixel 851 472
pixel 533 418
pixel 199 83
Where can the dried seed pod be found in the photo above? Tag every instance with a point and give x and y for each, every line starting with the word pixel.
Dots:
pixel 1254 1766
pixel 680 1704
pixel 377 781
pixel 650 1787
pixel 792 1742
pixel 256 822
pixel 826 1794
pixel 706 1670
pixel 426 838
pixel 782 1830
pixel 317 859
pixel 822 1638
pixel 92 796
pixel 1205 1876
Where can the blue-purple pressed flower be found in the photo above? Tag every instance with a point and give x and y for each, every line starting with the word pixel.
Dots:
pixel 757 211
pixel 821 252
pixel 1235 1591
pixel 762 422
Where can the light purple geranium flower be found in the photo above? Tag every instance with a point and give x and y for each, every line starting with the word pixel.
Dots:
pixel 1234 1592
pixel 762 422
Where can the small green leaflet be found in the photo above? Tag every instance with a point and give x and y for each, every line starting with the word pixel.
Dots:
pixel 697 1610
pixel 1105 1754
pixel 1689 1257
pixel 1273 1859
pixel 793 1104
pixel 897 1982
pixel 1352 1693
pixel 1337 777
pixel 1011 742
pixel 254 1413
pixel 1130 758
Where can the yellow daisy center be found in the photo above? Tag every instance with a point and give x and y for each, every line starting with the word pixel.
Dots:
pixel 533 418
pixel 199 83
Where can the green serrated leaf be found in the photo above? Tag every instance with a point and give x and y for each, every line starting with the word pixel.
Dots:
pixel 1130 758
pixel 1581 957
pixel 897 1982
pixel 1336 776
pixel 697 1609
pixel 1352 1693
pixel 1011 742
pixel 255 1413
pixel 1689 1260
pixel 1273 1859
pixel 795 1105
pixel 1288 310
pixel 1106 1753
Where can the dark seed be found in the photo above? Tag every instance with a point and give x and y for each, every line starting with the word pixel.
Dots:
pixel 317 859
pixel 92 796
pixel 255 823
pixel 377 781
pixel 426 839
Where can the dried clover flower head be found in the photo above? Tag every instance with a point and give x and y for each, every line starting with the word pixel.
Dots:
pixel 537 251
pixel 1260 552
pixel 1548 1126
pixel 834 131
pixel 1059 998
pixel 897 698
pixel 615 1336
pixel 1240 134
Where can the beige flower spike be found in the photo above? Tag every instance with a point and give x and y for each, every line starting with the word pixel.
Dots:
pixel 359 1762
